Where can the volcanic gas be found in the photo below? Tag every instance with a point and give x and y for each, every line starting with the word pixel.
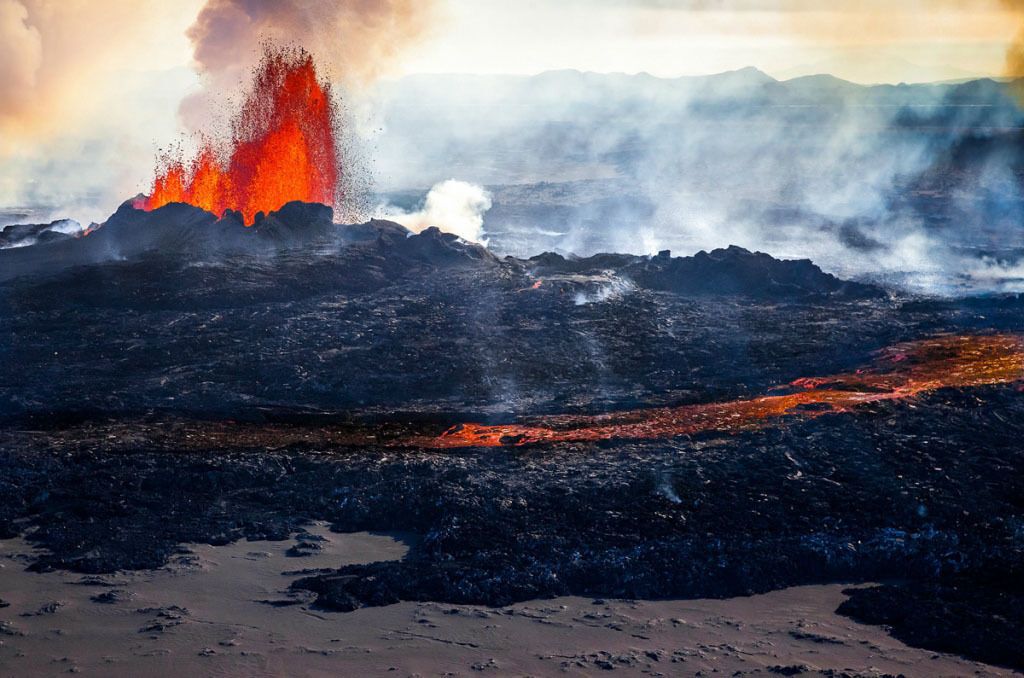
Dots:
pixel 900 372
pixel 282 146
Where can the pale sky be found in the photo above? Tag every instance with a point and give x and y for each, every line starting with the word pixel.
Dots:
pixel 89 89
pixel 866 40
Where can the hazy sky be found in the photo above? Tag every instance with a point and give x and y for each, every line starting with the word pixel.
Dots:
pixel 90 88
pixel 866 40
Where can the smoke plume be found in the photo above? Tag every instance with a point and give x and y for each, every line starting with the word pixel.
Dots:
pixel 360 38
pixel 1015 52
pixel 21 51
pixel 354 40
pixel 85 88
pixel 56 55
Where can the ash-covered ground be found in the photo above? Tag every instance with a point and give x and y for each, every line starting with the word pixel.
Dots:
pixel 171 378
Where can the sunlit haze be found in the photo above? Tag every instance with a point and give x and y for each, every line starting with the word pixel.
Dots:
pixel 92 90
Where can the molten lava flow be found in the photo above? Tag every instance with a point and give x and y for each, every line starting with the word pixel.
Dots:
pixel 282 148
pixel 900 372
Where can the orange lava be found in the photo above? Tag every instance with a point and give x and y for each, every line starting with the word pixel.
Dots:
pixel 899 372
pixel 282 147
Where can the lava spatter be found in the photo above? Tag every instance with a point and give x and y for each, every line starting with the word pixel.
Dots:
pixel 283 147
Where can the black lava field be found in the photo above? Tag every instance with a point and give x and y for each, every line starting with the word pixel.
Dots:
pixel 173 378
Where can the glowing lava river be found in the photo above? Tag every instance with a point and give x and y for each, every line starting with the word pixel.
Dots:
pixel 899 372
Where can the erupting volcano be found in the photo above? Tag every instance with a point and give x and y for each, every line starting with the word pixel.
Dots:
pixel 283 147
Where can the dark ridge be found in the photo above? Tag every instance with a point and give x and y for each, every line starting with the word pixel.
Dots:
pixel 732 271
pixel 179 232
pixel 24 235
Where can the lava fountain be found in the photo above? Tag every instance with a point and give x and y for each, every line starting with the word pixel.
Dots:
pixel 282 147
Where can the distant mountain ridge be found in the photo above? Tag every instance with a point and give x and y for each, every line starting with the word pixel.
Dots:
pixel 745 81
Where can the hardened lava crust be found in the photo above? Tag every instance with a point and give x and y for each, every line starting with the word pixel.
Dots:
pixel 173 378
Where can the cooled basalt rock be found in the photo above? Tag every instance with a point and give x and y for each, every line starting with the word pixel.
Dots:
pixel 723 272
pixel 199 387
pixel 177 232
pixel 836 498
pixel 24 235
pixel 979 614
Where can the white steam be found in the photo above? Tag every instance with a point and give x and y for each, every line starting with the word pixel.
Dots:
pixel 854 178
pixel 456 207
pixel 613 289
pixel 26 235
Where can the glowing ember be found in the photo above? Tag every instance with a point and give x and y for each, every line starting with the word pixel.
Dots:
pixel 283 148
pixel 902 371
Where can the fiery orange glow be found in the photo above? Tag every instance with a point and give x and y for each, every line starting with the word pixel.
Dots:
pixel 902 371
pixel 282 148
pixel 534 286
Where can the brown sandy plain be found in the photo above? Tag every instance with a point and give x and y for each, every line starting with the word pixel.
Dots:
pixel 226 611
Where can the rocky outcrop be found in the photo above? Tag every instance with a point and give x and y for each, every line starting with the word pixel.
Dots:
pixel 25 235
pixel 722 272
pixel 379 251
